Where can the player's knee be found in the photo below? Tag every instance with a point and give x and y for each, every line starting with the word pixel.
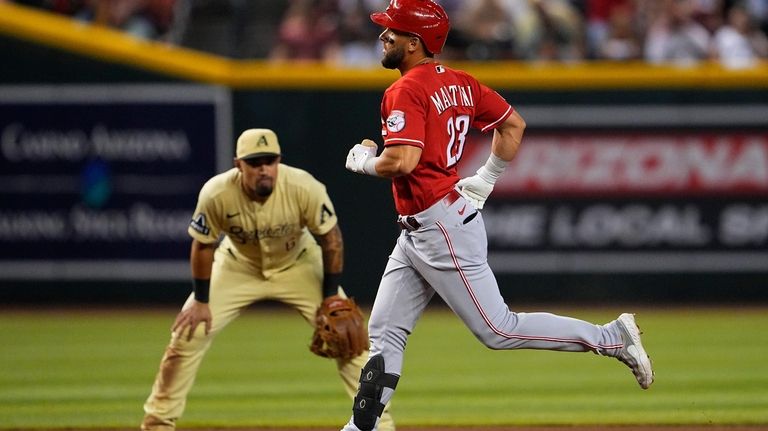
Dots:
pixel 381 333
pixel 490 339
pixel 368 406
pixel 182 342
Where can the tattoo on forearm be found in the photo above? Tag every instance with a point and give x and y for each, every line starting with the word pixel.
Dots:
pixel 333 251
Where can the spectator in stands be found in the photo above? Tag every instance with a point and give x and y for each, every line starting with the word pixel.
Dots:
pixel 359 45
pixel 602 16
pixel 561 31
pixel 621 41
pixel 708 13
pixel 739 43
pixel 309 31
pixel 484 31
pixel 674 37
pixel 540 29
pixel 758 10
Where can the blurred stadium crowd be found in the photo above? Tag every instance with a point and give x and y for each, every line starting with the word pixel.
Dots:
pixel 680 32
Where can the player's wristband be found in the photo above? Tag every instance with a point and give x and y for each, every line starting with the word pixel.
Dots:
pixel 331 284
pixel 369 166
pixel 492 169
pixel 201 289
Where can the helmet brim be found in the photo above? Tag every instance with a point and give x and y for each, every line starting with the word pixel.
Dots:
pixel 383 19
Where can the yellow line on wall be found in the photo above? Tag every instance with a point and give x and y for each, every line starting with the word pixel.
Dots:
pixel 109 45
pixel 116 47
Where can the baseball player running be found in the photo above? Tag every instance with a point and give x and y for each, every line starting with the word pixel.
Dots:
pixel 442 249
pixel 268 214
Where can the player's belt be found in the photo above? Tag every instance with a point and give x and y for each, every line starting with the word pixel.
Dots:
pixel 451 197
pixel 410 223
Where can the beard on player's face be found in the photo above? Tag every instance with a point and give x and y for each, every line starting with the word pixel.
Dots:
pixel 259 188
pixel 263 190
pixel 393 58
pixel 262 184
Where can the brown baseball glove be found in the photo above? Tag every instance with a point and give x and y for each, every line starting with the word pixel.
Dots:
pixel 340 330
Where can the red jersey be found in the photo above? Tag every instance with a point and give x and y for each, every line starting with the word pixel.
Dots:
pixel 433 107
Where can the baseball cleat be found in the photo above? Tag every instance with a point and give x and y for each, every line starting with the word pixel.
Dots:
pixel 633 354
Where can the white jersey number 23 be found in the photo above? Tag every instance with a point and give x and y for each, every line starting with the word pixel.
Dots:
pixel 457 129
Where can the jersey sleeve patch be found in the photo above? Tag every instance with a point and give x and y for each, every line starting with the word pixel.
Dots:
pixel 199 224
pixel 325 214
pixel 396 121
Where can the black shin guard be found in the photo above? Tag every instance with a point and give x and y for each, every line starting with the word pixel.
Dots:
pixel 368 406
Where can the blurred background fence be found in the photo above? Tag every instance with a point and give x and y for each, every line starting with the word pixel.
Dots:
pixel 638 181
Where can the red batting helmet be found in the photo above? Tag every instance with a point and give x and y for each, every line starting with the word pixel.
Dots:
pixel 424 18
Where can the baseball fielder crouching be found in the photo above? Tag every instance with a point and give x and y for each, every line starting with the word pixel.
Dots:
pixel 442 249
pixel 281 241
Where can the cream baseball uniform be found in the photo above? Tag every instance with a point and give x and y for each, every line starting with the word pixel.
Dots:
pixel 267 253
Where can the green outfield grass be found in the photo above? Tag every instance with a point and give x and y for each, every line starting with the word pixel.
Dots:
pixel 63 368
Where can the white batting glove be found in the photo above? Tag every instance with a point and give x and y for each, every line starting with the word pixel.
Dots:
pixel 475 189
pixel 362 158
pixel 478 187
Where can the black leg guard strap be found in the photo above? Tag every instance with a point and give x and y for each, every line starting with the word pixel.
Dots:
pixel 373 380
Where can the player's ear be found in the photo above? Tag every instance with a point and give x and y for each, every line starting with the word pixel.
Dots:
pixel 413 44
pixel 236 163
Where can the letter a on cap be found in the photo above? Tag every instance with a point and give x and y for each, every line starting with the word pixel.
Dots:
pixel 257 143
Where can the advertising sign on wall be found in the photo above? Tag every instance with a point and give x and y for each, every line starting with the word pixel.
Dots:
pixel 602 195
pixel 99 182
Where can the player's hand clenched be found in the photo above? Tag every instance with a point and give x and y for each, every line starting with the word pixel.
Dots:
pixel 478 187
pixel 190 317
pixel 475 189
pixel 361 158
